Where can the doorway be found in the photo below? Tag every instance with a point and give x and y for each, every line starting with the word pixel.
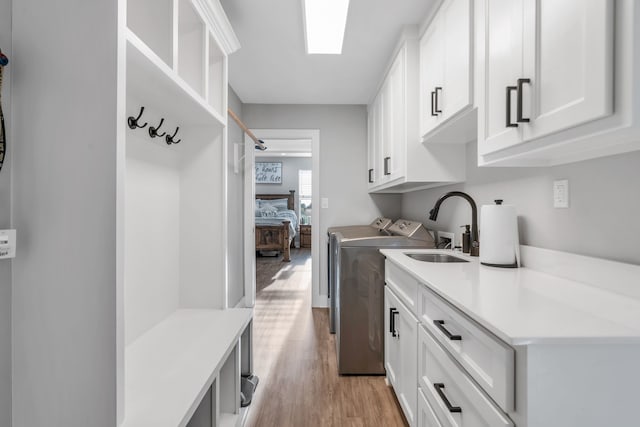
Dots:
pixel 284 143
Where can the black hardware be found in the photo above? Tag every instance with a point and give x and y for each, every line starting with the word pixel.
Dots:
pixel 436 92
pixel 386 165
pixel 392 322
pixel 475 242
pixel 509 90
pixel 519 118
pixel 439 389
pixel 440 325
pixel 433 104
pixel 4 61
pixel 133 121
pixel 153 131
pixel 393 317
pixel 370 176
pixel 169 138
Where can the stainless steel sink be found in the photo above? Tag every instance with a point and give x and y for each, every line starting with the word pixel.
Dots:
pixel 435 257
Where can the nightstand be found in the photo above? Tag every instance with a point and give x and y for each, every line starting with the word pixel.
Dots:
pixel 305 235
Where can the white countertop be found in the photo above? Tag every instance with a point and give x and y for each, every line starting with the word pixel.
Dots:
pixel 523 306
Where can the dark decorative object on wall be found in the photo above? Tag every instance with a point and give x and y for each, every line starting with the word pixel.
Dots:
pixel 3 136
pixel 268 172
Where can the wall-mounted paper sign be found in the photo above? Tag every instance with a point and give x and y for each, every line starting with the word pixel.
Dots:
pixel 268 172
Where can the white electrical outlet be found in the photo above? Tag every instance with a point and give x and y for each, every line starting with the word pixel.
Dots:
pixel 561 193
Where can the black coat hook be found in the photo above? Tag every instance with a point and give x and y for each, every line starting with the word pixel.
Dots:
pixel 133 121
pixel 153 131
pixel 169 138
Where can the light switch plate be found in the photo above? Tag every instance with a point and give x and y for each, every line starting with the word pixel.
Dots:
pixel 561 193
pixel 7 244
pixel 324 203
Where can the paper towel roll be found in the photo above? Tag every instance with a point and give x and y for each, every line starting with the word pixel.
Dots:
pixel 499 242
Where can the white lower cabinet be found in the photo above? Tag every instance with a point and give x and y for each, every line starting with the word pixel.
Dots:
pixel 455 398
pixel 426 416
pixel 400 345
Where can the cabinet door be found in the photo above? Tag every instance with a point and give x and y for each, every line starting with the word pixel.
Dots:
pixel 456 96
pixel 386 120
pixel 372 153
pixel 426 415
pixel 391 344
pixel 431 76
pixel 568 58
pixel 503 44
pixel 407 326
pixel 398 116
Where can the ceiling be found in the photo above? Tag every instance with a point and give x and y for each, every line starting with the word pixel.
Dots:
pixel 272 66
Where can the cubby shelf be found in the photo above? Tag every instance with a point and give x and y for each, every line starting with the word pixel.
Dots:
pixel 152 81
pixel 170 368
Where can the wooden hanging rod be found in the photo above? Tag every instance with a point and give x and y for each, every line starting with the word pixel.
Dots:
pixel 259 143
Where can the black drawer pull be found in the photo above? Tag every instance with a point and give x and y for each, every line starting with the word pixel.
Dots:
pixel 436 92
pixel 521 119
pixel 433 104
pixel 509 90
pixel 439 389
pixel 386 165
pixel 392 321
pixel 440 325
pixel 370 176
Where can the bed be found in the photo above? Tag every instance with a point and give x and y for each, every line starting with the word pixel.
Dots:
pixel 276 225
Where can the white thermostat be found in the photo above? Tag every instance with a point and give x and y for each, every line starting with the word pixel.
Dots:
pixel 7 244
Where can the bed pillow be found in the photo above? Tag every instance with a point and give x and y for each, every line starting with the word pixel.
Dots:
pixel 267 212
pixel 279 204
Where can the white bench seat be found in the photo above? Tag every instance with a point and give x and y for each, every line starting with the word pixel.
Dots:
pixel 170 368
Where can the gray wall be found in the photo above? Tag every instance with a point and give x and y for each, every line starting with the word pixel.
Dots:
pixel 290 178
pixel 235 187
pixel 343 157
pixel 602 219
pixel 5 222
pixel 65 109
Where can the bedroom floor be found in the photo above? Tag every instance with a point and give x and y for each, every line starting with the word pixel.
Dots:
pixel 294 356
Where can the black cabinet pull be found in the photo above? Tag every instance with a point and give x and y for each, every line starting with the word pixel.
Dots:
pixel 519 118
pixel 440 325
pixel 509 90
pixel 439 389
pixel 371 176
pixel 433 104
pixel 393 316
pixel 392 321
pixel 386 165
pixel 438 88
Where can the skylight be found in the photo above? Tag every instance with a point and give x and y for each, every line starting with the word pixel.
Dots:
pixel 325 21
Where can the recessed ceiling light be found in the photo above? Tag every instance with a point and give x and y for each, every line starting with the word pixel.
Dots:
pixel 325 21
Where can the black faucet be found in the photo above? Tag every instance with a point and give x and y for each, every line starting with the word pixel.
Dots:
pixel 475 242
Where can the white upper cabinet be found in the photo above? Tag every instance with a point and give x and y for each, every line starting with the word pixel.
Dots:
pixel 556 80
pixel 446 75
pixel 397 161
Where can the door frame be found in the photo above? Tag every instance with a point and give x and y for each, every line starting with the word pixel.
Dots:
pixel 318 300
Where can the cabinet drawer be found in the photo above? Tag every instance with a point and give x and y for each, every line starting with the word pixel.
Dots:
pixel 403 284
pixel 454 397
pixel 486 358
pixel 426 416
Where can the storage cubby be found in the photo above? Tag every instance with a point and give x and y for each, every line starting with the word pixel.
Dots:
pixel 229 399
pixel 191 46
pixel 217 69
pixel 152 22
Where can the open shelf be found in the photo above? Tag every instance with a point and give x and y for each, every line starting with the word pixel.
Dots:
pixel 216 76
pixel 191 46
pixel 171 368
pixel 153 82
pixel 152 21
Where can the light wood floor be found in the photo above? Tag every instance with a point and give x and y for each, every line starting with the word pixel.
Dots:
pixel 294 356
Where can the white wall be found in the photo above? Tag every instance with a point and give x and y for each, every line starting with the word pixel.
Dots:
pixel 5 222
pixel 343 156
pixel 290 178
pixel 235 205
pixel 64 208
pixel 602 220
